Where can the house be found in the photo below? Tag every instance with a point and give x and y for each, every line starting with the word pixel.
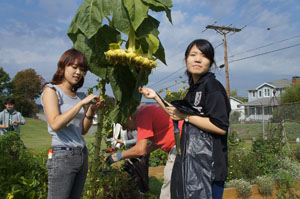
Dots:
pixel 236 106
pixel 263 99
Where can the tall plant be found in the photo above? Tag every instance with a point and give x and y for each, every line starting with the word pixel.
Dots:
pixel 97 30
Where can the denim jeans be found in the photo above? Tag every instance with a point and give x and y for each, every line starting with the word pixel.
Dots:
pixel 67 170
pixel 217 189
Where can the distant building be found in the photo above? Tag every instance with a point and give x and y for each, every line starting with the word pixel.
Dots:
pixel 236 106
pixel 263 99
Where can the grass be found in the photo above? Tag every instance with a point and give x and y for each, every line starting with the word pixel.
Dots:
pixel 36 137
pixel 248 131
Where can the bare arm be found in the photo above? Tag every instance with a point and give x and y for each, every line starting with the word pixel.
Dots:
pixel 151 94
pixel 137 150
pixel 201 122
pixel 55 119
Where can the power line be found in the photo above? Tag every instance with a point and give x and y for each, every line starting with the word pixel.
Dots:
pixel 266 45
pixel 168 76
pixel 264 53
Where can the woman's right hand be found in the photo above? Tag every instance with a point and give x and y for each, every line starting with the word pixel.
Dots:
pixel 90 99
pixel 148 92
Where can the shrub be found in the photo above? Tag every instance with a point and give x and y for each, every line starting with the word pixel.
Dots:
pixel 287 178
pixel 234 117
pixel 265 185
pixel 244 188
pixel 22 173
pixel 242 164
pixel 158 158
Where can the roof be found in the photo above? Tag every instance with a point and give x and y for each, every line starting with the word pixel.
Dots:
pixel 266 101
pixel 237 100
pixel 282 83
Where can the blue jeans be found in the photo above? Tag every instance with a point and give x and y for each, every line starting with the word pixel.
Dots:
pixel 217 189
pixel 67 170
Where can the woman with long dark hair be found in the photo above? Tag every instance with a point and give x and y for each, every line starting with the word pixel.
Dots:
pixel 67 122
pixel 201 170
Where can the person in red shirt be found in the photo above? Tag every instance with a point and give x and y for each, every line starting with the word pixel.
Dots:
pixel 152 124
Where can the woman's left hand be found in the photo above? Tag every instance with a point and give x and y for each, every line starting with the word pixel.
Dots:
pixel 96 105
pixel 175 114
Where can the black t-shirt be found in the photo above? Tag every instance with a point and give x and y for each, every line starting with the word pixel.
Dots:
pixel 209 97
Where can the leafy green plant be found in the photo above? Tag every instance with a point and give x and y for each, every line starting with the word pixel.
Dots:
pixel 96 37
pixel 265 185
pixel 158 158
pixel 244 188
pixel 22 173
pixel 242 164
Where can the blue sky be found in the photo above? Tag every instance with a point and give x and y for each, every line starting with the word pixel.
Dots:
pixel 33 35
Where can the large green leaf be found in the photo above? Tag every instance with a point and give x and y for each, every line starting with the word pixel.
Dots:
pixel 149 26
pixel 125 81
pixel 90 14
pixel 137 12
pixel 159 6
pixel 95 47
pixel 153 42
pixel 120 17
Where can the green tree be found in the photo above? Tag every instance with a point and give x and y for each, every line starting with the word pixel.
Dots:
pixel 27 86
pixel 291 94
pixel 5 86
pixel 234 93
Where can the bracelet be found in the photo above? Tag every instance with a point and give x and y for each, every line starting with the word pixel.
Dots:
pixel 89 117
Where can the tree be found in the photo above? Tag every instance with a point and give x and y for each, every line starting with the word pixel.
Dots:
pixel 5 86
pixel 27 86
pixel 291 94
pixel 233 93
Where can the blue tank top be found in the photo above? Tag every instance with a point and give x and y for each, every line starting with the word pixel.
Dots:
pixel 71 134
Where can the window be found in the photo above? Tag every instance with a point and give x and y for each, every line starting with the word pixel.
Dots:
pixel 259 93
pixel 267 92
pixel 253 93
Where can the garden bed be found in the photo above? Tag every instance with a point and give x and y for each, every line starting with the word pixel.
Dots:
pixel 229 193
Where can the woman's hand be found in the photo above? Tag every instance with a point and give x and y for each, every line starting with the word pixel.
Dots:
pixel 90 99
pixel 148 92
pixel 175 114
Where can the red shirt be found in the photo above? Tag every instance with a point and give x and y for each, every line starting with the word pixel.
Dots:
pixel 154 123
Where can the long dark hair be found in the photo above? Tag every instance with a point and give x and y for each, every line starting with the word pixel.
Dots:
pixel 206 48
pixel 68 58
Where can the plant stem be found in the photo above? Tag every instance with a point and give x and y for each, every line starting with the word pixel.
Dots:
pixel 131 40
pixel 98 139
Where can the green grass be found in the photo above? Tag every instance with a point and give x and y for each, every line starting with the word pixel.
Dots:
pixel 248 131
pixel 36 137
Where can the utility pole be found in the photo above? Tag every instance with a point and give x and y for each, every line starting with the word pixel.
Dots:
pixel 223 31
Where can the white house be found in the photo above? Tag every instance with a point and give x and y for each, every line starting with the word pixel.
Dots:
pixel 263 99
pixel 236 106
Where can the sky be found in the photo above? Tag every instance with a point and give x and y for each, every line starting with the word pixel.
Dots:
pixel 33 34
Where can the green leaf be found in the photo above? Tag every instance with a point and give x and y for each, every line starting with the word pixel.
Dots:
pixel 137 12
pixel 120 17
pixel 159 6
pixel 160 53
pixel 125 81
pixel 95 47
pixel 90 14
pixel 149 26
pixel 153 42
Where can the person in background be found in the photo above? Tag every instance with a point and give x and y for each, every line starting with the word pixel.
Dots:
pixel 154 125
pixel 70 115
pixel 201 170
pixel 10 119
